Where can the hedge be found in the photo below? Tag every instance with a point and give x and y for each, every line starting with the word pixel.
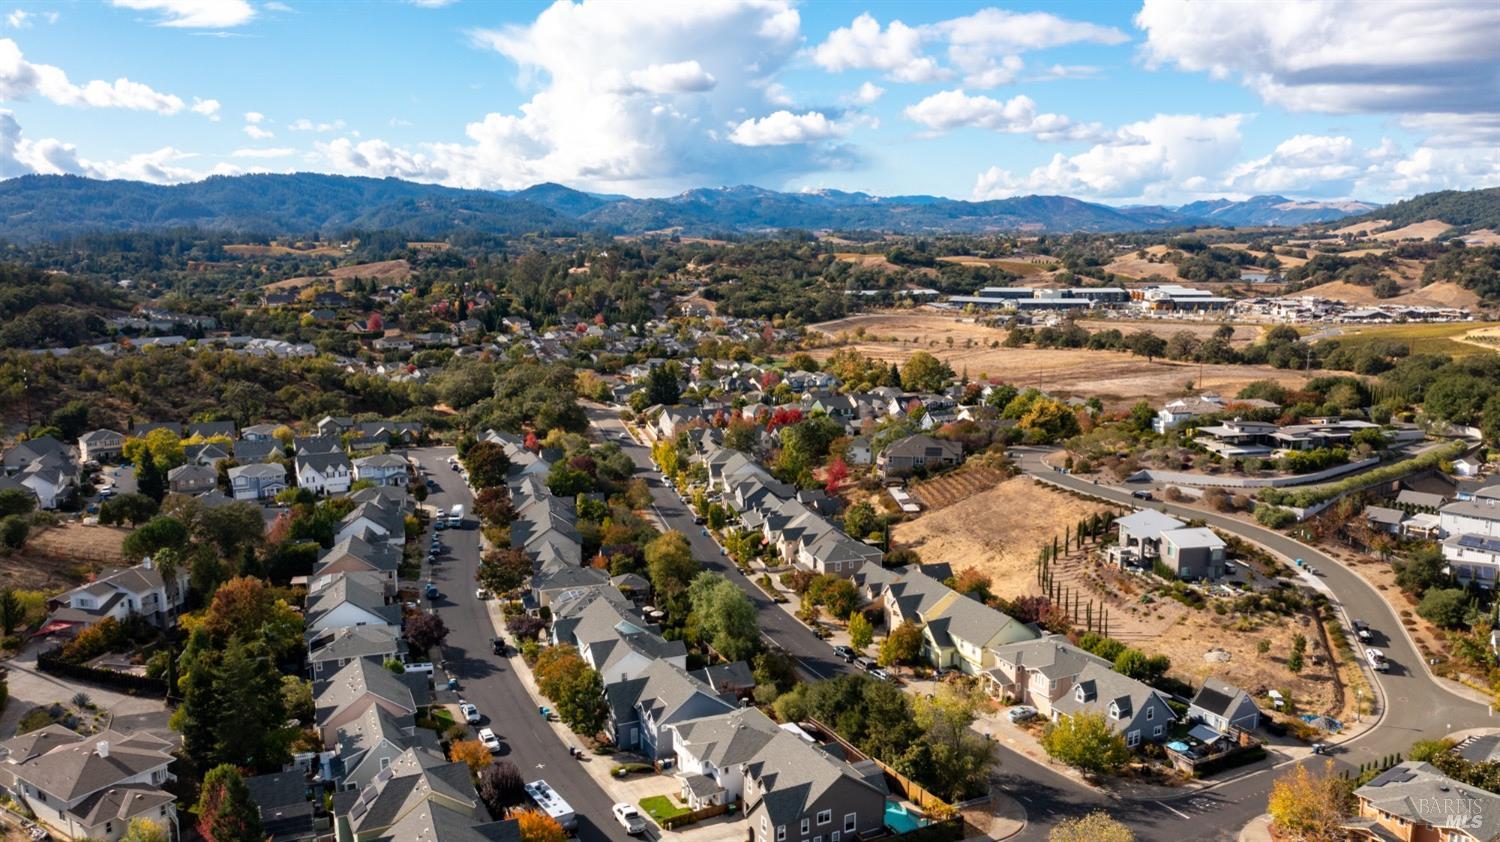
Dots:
pixel 1304 497
pixel 136 685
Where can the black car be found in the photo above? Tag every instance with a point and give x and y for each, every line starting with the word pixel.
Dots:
pixel 846 653
pixel 497 646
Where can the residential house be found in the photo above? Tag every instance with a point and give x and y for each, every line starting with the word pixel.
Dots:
pixel 1130 707
pixel 287 814
pixel 1414 802
pixel 192 479
pixel 640 708
pixel 90 787
pixel 1039 672
pixel 330 651
pixel 342 600
pixel 318 444
pixel 135 591
pixel 324 473
pixel 249 451
pixel 717 748
pixel 958 631
pixel 859 451
pixel 836 554
pixel 140 430
pixel 100 446
pixel 374 521
pixel 45 466
pixel 917 453
pixel 208 454
pixel 1472 539
pixel 211 429
pixel 794 791
pixel 1222 706
pixel 334 426
pixel 1193 553
pixel 1140 536
pixel 356 555
pixel 259 481
pixel 260 432
pixel 420 796
pixel 382 469
pixel 362 683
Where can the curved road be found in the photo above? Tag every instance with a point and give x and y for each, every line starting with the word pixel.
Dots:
pixel 1417 705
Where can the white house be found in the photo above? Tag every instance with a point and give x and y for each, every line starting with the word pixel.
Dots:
pixel 381 469
pixel 344 600
pixel 1472 543
pixel 91 787
pixel 324 473
pixel 139 590
pixel 100 445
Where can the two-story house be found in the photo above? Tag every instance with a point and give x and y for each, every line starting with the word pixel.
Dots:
pixel 714 749
pixel 135 591
pixel 375 521
pixel 1038 672
pixel 1471 545
pixel 362 683
pixel 342 600
pixel 90 787
pixel 100 446
pixel 795 791
pixel 1414 802
pixel 919 452
pixel 1131 708
pixel 331 650
pixel 192 479
pixel 324 473
pixel 381 469
pixel 640 708
pixel 260 481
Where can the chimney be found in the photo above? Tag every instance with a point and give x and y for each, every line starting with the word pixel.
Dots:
pixel 147 563
pixel 102 747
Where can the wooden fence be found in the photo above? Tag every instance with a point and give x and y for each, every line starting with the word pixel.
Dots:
pixel 910 789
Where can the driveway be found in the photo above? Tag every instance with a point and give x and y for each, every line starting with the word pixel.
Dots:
pixel 31 688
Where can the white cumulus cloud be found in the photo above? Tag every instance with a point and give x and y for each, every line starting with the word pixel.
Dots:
pixel 20 78
pixel 1322 163
pixel 264 152
pixel 675 78
pixel 20 155
pixel 257 133
pixel 207 107
pixel 194 14
pixel 1167 155
pixel 867 93
pixel 895 50
pixel 948 110
pixel 302 124
pixel 783 127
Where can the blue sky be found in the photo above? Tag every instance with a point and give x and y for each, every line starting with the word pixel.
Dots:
pixel 1163 101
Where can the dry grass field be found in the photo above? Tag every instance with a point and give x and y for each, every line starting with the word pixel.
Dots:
pixel 1139 268
pixel 1416 231
pixel 1024 268
pixel 384 272
pixel 999 530
pixel 255 250
pixel 56 557
pixel 1433 295
pixel 1244 334
pixel 1362 227
pixel 1118 379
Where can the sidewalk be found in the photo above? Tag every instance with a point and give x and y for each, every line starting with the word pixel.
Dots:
pixel 630 789
pixel 1258 829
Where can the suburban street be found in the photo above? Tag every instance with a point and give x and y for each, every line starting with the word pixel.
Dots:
pixel 490 681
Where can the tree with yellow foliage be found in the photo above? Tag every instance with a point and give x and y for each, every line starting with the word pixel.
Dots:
pixel 470 752
pixel 1094 827
pixel 1310 806
pixel 536 826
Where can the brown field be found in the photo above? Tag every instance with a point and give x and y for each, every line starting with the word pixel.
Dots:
pixel 1433 295
pixel 1243 334
pixel 999 531
pixel 955 486
pixel 428 246
pixel 1118 379
pixel 1362 227
pixel 1483 237
pixel 56 557
pixel 876 261
pixel 386 272
pixel 1416 231
pixel 1024 268
pixel 254 250
pixel 1137 267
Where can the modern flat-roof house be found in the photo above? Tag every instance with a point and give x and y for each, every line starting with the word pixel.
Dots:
pixel 1130 707
pixel 1222 706
pixel 260 481
pixel 1237 438
pixel 90 787
pixel 1193 553
pixel 1140 536
pixel 1414 802
pixel 1472 543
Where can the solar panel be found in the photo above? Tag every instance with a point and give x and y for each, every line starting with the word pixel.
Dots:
pixel 1479 542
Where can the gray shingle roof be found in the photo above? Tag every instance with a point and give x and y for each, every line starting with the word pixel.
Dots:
pixel 1418 792
pixel 726 740
pixel 72 770
pixel 797 774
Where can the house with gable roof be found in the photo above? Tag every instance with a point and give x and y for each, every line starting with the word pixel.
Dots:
pixel 1131 708
pixel 90 787
pixel 324 473
pixel 795 791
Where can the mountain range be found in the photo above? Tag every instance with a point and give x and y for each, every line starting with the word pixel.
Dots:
pixel 50 207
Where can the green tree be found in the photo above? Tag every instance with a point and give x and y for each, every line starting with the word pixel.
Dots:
pixel 134 509
pixel 16 501
pixel 923 372
pixel 252 724
pixel 231 528
pixel 487 464
pixel 1085 741
pixel 724 616
pixel 503 570
pixel 861 520
pixel 860 632
pixel 226 812
pixel 671 567
pixel 902 646
pixel 1445 607
pixel 662 387
pixel 13 531
pixel 142 829
pixel 158 533
pixel 12 612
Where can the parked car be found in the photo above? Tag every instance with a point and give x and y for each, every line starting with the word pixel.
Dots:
pixel 881 675
pixel 497 645
pixel 1142 494
pixel 431 591
pixel 863 663
pixel 1021 713
pixel 629 818
pixel 846 653
pixel 471 713
pixel 481 594
pixel 1362 630
pixel 1377 659
pixel 491 742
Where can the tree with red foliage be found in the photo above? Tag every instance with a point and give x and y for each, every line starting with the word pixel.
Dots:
pixel 769 380
pixel 585 463
pixel 835 474
pixel 425 630
pixel 226 810
pixel 375 322
pixel 531 442
pixel 784 417
pixel 493 506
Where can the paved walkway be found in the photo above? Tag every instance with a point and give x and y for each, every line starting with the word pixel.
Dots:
pixel 30 688
pixel 1258 830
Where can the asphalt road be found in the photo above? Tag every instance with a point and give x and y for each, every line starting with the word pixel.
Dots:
pixel 1416 706
pixel 488 680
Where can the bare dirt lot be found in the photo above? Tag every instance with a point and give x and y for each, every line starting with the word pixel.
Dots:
pixel 1115 378
pixel 1243 334
pixel 58 557
pixel 385 272
pixel 1024 268
pixel 999 531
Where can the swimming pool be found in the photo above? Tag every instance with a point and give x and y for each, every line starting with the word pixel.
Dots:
pixel 900 820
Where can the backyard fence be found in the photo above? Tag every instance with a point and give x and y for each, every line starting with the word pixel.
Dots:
pixel 51 662
pixel 910 789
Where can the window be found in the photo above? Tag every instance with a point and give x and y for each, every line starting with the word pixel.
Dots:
pixel 825 817
pixel 781 833
pixel 851 820
pixel 834 836
pixel 1150 712
pixel 806 826
pixel 385 763
pixel 1156 732
pixel 1133 738
pixel 818 838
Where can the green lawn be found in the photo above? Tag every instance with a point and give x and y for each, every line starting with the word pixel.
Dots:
pixel 661 808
